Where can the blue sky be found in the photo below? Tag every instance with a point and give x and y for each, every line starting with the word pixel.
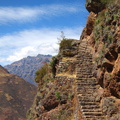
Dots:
pixel 31 27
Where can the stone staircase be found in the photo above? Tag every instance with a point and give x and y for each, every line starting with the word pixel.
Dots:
pixel 87 85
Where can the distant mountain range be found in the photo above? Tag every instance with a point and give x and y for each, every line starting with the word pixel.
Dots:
pixel 27 67
pixel 16 96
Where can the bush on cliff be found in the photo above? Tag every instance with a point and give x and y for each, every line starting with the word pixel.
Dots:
pixel 44 74
pixel 66 44
pixel 53 63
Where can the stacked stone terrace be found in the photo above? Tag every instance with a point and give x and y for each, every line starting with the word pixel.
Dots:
pixel 87 85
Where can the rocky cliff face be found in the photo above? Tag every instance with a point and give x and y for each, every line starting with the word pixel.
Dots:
pixel 55 99
pixel 104 37
pixel 16 96
pixel 85 84
pixel 27 67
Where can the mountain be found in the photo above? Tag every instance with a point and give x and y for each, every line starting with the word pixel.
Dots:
pixel 83 81
pixel 16 96
pixel 27 67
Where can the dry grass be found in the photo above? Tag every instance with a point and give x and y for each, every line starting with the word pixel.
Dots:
pixel 67 75
pixel 64 59
pixel 8 97
pixel 3 75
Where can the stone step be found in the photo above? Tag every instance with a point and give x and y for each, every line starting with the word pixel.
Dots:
pixel 86 91
pixel 81 92
pixel 89 110
pixel 81 51
pixel 84 70
pixel 85 76
pixel 84 55
pixel 90 107
pixel 83 86
pixel 88 103
pixel 83 44
pixel 79 73
pixel 85 67
pixel 86 94
pixel 93 117
pixel 84 51
pixel 84 73
pixel 81 66
pixel 87 99
pixel 88 82
pixel 93 113
pixel 81 57
pixel 89 88
pixel 83 41
pixel 79 69
pixel 83 61
pixel 82 47
pixel 80 89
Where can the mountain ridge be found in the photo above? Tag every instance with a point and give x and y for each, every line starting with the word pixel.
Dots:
pixel 27 67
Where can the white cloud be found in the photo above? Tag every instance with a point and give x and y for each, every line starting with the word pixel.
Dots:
pixel 25 14
pixel 33 42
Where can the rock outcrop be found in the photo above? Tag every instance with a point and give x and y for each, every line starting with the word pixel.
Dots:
pixel 56 95
pixel 86 69
pixel 16 96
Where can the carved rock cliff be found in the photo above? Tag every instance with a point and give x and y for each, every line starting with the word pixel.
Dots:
pixel 83 81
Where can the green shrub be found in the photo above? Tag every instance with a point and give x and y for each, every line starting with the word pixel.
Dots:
pixel 41 73
pixel 53 63
pixel 66 44
pixel 57 95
